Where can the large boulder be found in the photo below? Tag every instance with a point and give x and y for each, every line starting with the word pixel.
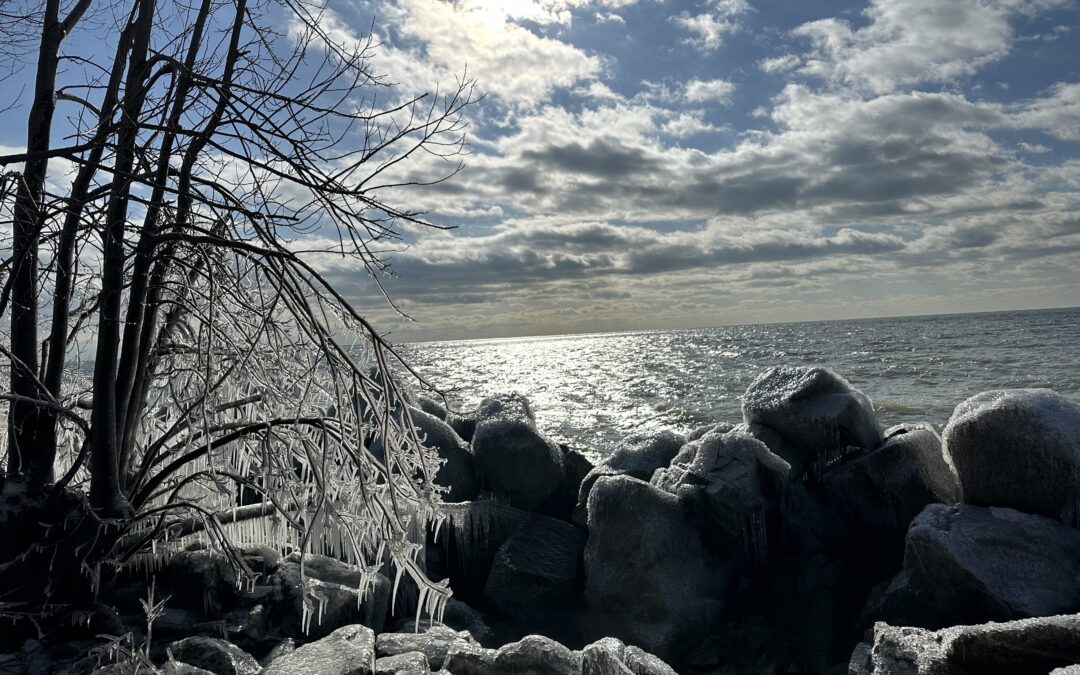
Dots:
pixel 1019 448
pixel 458 473
pixel 535 572
pixel 969 564
pixel 349 650
pixel 433 643
pixel 471 535
pixel 815 410
pixel 537 654
pixel 432 406
pixel 651 577
pixel 456 615
pixel 404 662
pixel 335 598
pixel 517 463
pixel 215 655
pixel 735 479
pixel 201 580
pixel 512 405
pixel 881 492
pixel 1025 647
pixel 639 456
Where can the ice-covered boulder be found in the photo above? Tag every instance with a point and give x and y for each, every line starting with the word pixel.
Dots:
pixel 511 405
pixel 349 650
pixel 471 536
pixel 716 428
pixel 638 456
pixel 459 471
pixel 537 654
pixel 650 577
pixel 535 572
pixel 456 615
pixel 215 655
pixel 433 643
pixel 432 406
pixel 881 492
pixel 735 479
pixel 515 462
pixel 470 660
pixel 1025 647
pixel 969 564
pixel 576 467
pixel 817 412
pixel 404 662
pixel 1018 448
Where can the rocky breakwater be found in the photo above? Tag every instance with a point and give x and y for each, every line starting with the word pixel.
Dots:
pixel 774 543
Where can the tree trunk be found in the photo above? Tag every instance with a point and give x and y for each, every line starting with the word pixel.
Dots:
pixel 27 454
pixel 105 484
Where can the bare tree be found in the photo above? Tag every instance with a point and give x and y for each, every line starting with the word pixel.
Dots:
pixel 218 157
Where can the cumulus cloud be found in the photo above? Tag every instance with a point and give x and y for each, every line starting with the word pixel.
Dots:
pixel 699 91
pixel 708 29
pixel 912 41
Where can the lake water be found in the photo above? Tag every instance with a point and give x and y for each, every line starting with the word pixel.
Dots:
pixel 592 390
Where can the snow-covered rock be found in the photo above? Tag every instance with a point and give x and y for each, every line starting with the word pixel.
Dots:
pixel 650 577
pixel 1019 448
pixel 638 456
pixel 511 405
pixel 816 411
pixel 215 655
pixel 969 564
pixel 432 643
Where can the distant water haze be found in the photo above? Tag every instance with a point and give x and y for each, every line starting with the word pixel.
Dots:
pixel 592 390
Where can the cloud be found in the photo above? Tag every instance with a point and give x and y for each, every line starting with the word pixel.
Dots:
pixel 699 91
pixel 779 64
pixel 708 29
pixel 1057 114
pixel 912 41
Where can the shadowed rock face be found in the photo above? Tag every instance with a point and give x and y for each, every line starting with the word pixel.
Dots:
pixel 516 463
pixel 1018 448
pixel 969 564
pixel 817 412
pixel 650 577
pixel 881 492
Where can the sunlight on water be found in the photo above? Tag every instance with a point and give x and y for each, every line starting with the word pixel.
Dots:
pixel 592 390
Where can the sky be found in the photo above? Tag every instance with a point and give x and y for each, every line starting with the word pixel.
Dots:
pixel 640 164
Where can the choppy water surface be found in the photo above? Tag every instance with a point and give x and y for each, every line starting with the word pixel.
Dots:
pixel 592 390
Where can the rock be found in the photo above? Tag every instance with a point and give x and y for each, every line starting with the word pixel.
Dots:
pixel 286 646
pixel 640 456
pixel 349 650
pixel 459 471
pixel 512 405
pixel 604 657
pixel 1024 647
pixel 1018 448
pixel 181 668
pixel 334 597
pixel 458 616
pixel 969 564
pixel 433 643
pixel 472 534
pixel 817 412
pixel 881 492
pixel 467 659
pixel 538 655
pixel 262 560
pixel 650 578
pixel 641 662
pixel 406 661
pixel 215 655
pixel 515 462
pixel 200 580
pixel 535 571
pixel 718 428
pixel 431 406
pixel 576 467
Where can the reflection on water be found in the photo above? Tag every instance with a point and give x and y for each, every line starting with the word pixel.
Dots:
pixel 591 390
